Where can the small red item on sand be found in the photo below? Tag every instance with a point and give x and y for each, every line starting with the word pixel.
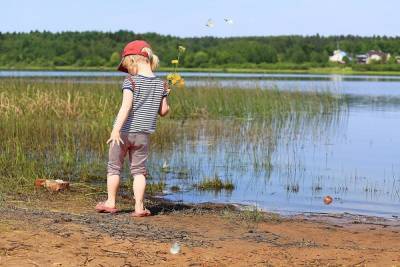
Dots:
pixel 145 213
pixel 328 200
pixel 102 208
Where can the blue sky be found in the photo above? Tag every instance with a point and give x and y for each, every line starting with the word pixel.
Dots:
pixel 188 18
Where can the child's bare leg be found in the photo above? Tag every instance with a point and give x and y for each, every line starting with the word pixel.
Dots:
pixel 139 186
pixel 112 189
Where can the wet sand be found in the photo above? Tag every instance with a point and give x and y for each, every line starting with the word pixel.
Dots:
pixel 64 230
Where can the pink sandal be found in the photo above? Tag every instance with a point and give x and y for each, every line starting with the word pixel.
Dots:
pixel 144 213
pixel 102 208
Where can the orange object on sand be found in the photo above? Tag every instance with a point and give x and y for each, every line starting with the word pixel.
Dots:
pixel 40 182
pixel 328 200
pixel 56 185
pixel 52 185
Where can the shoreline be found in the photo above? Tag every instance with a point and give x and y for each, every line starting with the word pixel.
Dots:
pixel 71 233
pixel 327 70
pixel 343 217
pixel 333 217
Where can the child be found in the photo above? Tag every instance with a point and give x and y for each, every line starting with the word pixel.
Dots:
pixel 144 95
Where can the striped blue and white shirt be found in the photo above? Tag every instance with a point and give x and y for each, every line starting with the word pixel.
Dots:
pixel 147 96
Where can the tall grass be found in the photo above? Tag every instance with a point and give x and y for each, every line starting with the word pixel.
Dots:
pixel 246 103
pixel 58 129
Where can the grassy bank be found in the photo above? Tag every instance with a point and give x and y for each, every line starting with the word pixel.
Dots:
pixel 58 129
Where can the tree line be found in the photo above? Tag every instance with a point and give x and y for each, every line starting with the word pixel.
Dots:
pixel 102 49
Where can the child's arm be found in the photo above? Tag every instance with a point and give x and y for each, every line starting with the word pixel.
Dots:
pixel 164 107
pixel 126 106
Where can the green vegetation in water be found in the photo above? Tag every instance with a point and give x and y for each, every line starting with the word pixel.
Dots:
pixel 213 103
pixel 175 188
pixel 58 129
pixel 215 183
pixel 180 174
pixel 294 187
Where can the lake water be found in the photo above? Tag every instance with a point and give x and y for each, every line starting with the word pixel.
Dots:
pixel 370 85
pixel 352 155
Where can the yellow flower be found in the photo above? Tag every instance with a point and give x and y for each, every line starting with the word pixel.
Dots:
pixel 174 76
pixel 182 49
pixel 174 61
pixel 175 79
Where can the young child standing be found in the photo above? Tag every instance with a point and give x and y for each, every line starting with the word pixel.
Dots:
pixel 144 98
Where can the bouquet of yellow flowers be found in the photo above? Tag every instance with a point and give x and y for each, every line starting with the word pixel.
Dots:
pixel 174 78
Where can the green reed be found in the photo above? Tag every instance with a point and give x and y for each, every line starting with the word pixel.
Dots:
pixel 217 102
pixel 215 183
pixel 58 129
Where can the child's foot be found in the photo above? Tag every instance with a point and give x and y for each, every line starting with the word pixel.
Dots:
pixel 104 207
pixel 143 213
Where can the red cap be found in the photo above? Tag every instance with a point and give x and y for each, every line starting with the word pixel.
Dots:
pixel 133 48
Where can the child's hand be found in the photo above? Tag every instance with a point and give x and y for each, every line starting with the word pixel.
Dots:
pixel 168 90
pixel 115 137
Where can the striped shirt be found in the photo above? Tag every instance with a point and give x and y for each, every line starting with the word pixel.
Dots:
pixel 147 96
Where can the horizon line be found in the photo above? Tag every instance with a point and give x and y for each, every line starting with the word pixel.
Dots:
pixel 201 36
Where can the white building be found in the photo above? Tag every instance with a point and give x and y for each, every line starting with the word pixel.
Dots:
pixel 338 57
pixel 377 56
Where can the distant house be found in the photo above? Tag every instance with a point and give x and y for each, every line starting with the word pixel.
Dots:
pixel 376 56
pixel 339 56
pixel 362 59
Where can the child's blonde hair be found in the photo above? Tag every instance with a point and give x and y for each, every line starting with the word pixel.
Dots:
pixel 130 62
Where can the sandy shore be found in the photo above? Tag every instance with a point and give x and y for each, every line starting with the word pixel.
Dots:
pixel 64 230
